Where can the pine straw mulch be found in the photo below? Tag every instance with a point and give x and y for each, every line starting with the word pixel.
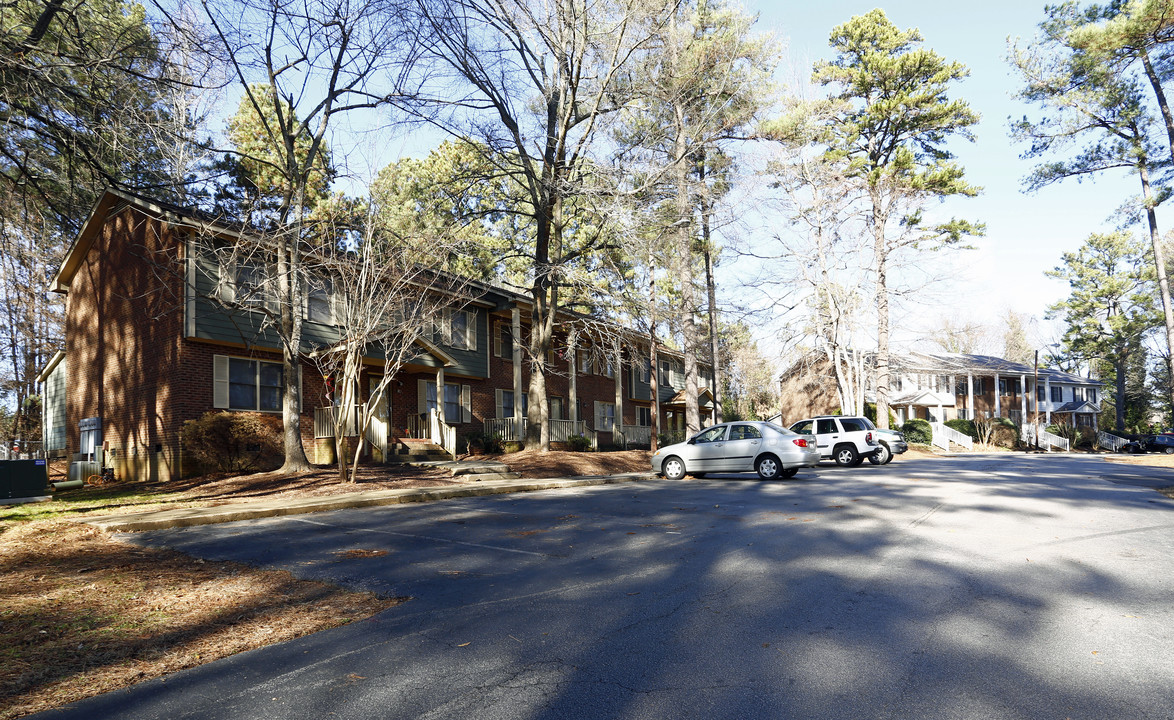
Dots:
pixel 81 614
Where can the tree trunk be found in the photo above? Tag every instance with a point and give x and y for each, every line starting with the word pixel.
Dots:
pixel 882 314
pixel 1155 238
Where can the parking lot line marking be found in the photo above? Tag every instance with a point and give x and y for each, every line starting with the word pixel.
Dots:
pixel 427 537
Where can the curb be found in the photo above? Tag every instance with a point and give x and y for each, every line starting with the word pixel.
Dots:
pixel 211 515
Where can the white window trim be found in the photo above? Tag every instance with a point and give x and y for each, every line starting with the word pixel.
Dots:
pixel 220 383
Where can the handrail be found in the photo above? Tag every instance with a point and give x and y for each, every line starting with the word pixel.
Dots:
pixel 942 435
pixel 1110 441
pixel 1047 439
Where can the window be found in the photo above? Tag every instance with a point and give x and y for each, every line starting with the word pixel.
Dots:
pixel 609 369
pixel 250 286
pixel 713 434
pixel 453 401
pixel 857 424
pixel 666 373
pixel 503 342
pixel 640 372
pixel 1039 392
pixel 243 384
pixel 557 407
pixel 585 361
pixel 1057 393
pixel 319 300
pixel 803 428
pixel 1092 395
pixel 605 416
pixel 1077 393
pixel 506 403
pixel 643 416
pixel 826 427
pixel 744 432
pixel 460 332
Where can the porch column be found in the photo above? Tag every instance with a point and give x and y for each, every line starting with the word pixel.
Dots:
pixel 573 400
pixel 618 426
pixel 998 398
pixel 516 346
pixel 1023 399
pixel 970 396
pixel 437 436
pixel 909 413
pixel 1047 402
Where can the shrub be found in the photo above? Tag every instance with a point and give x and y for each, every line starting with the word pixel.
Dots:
pixel 578 443
pixel 512 446
pixel 480 442
pixel 234 442
pixel 966 427
pixel 870 413
pixel 917 431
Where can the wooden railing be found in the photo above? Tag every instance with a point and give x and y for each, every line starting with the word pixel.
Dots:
pixel 324 421
pixel 943 435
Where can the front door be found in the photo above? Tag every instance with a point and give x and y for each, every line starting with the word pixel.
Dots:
pixel 378 431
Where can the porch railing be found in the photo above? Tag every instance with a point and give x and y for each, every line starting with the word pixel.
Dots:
pixel 1046 439
pixel 1110 441
pixel 324 421
pixel 637 435
pixel 942 435
pixel 514 430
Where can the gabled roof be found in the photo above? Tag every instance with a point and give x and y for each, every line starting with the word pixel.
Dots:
pixel 983 364
pixel 1076 406
pixel 922 398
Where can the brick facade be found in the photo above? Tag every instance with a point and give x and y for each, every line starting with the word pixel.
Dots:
pixel 131 363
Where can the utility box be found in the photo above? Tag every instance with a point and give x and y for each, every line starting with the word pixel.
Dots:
pixel 23 481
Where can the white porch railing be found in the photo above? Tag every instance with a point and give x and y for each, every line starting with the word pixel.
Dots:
pixel 513 430
pixel 637 435
pixel 942 435
pixel 324 421
pixel 1109 441
pixel 1046 439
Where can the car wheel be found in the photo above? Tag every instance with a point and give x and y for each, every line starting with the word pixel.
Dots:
pixel 789 473
pixel 882 456
pixel 846 456
pixel 1170 450
pixel 768 467
pixel 674 468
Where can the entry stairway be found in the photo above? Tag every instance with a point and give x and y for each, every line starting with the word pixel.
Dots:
pixel 427 454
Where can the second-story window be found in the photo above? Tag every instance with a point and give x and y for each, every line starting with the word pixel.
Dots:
pixel 251 284
pixel 319 300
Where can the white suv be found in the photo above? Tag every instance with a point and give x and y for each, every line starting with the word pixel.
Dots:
pixel 847 440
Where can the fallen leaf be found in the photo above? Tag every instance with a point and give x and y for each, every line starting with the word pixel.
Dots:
pixel 465 644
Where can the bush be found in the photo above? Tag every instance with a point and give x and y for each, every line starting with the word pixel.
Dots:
pixel 917 431
pixel 480 442
pixel 578 443
pixel 870 413
pixel 966 427
pixel 513 446
pixel 234 442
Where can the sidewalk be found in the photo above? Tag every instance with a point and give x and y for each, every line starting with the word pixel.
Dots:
pixel 185 517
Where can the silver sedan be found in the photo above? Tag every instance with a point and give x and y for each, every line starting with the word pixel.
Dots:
pixel 748 446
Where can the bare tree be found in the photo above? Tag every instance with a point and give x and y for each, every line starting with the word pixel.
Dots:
pixel 300 67
pixel 530 81
pixel 380 297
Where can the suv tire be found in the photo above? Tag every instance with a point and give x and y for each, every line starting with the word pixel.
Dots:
pixel 846 456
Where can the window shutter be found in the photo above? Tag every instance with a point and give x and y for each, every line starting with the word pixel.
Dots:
pixel 497 348
pixel 598 412
pixel 497 398
pixel 471 330
pixel 446 326
pixel 301 392
pixel 227 282
pixel 421 396
pixel 219 381
pixel 466 404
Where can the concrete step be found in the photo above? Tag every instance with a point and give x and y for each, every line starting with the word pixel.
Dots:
pixel 476 468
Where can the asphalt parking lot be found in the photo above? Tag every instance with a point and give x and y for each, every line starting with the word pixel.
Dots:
pixel 1019 586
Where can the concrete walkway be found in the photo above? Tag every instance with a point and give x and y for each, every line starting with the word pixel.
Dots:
pixel 209 515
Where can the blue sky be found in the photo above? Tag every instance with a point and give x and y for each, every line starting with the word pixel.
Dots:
pixel 1026 234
